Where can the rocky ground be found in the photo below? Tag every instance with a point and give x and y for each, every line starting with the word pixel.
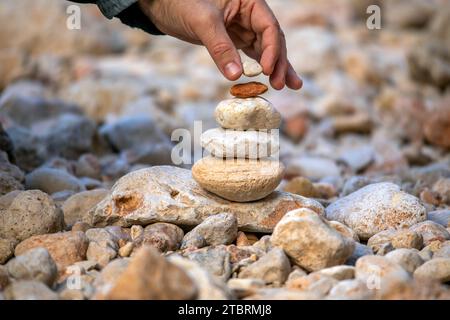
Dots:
pixel 91 206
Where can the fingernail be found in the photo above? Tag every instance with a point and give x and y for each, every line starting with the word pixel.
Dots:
pixel 232 69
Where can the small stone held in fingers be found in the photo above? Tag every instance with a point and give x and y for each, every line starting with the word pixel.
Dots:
pixel 248 90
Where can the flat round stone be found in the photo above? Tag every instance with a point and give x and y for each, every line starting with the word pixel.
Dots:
pixel 240 180
pixel 248 90
pixel 230 144
pixel 250 113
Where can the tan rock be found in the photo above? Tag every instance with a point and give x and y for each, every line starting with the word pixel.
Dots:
pixel 65 248
pixel 240 144
pixel 169 194
pixel 344 230
pixel 403 238
pixel 301 186
pixel 302 233
pixel 431 231
pixel 435 269
pixel 79 205
pixel 239 180
pixel 243 114
pixel 377 207
pixel 149 276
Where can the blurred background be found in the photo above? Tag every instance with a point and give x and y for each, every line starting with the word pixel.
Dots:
pixel 103 100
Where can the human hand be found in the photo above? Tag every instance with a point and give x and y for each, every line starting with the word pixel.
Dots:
pixel 223 26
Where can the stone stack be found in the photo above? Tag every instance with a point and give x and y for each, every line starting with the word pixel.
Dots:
pixel 242 164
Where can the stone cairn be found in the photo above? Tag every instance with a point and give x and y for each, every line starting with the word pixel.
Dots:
pixel 242 164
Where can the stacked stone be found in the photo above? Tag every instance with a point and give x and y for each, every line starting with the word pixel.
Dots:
pixel 243 165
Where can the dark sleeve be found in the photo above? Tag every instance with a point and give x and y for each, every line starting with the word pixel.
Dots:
pixel 128 11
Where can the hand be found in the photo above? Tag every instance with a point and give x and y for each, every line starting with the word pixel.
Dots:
pixel 223 26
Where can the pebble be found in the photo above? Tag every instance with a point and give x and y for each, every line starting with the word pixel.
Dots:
pixel 216 259
pixel 352 289
pixel 301 186
pixel 214 230
pixel 408 259
pixel 378 272
pixel 231 144
pixel 65 248
pixel 30 213
pixel 251 67
pixel 403 238
pixel 169 194
pixel 274 268
pixel 245 287
pixel 359 251
pixel 312 167
pixel 317 283
pixel 339 272
pixel 440 216
pixel 242 240
pixel 35 264
pixel 431 231
pixel 29 290
pixel 344 230
pixel 302 233
pixel 162 236
pixel 76 207
pixel 209 287
pixel 4 277
pixel 239 180
pixel 51 180
pixel 244 114
pixel 149 276
pixel 435 269
pixel 375 208
pixel 248 90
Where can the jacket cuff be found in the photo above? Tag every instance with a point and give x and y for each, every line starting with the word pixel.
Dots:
pixel 111 8
pixel 135 18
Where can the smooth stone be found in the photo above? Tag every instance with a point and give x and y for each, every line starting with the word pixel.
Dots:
pixel 342 272
pixel 351 289
pixel 162 236
pixel 76 207
pixel 30 213
pixel 65 248
pixel 440 216
pixel 221 228
pixel 169 194
pixel 403 238
pixel 435 269
pixel 318 283
pixel 251 67
pixel 231 144
pixel 344 230
pixel 408 259
pixel 302 233
pixel 378 272
pixel 244 114
pixel 29 290
pixel 431 231
pixel 52 180
pixel 239 180
pixel 35 264
pixel 375 208
pixel 273 268
pixel 149 276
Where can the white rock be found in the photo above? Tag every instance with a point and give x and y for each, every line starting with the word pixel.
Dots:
pixel 310 241
pixel 375 208
pixel 251 67
pixel 240 144
pixel 250 113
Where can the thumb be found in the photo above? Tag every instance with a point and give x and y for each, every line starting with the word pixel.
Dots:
pixel 222 50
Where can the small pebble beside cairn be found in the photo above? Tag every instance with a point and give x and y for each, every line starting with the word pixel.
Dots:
pixel 242 165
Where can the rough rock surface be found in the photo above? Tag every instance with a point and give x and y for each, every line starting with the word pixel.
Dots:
pixel 309 240
pixel 169 194
pixel 30 213
pixel 375 208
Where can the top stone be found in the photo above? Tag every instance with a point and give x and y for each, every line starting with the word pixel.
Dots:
pixel 244 114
